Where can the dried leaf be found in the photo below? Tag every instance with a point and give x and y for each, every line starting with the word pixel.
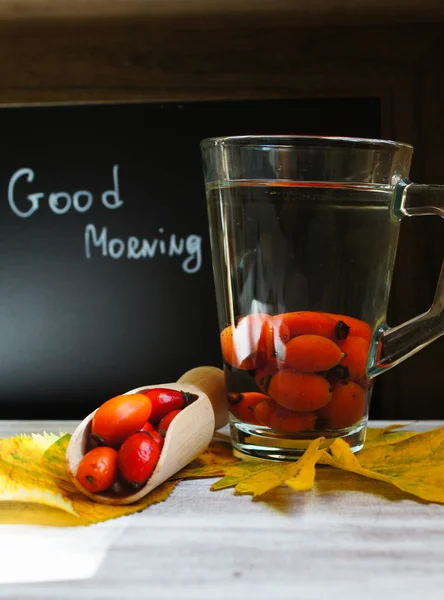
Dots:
pixel 211 463
pixel 303 477
pixel 258 477
pixel 32 470
pixel 415 465
pixel 22 476
pixel 389 435
pixel 218 460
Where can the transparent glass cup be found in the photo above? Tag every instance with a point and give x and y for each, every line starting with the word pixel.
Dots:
pixel 303 234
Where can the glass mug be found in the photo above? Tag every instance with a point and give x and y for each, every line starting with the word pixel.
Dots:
pixel 303 235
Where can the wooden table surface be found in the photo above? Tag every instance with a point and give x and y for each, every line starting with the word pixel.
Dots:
pixel 337 541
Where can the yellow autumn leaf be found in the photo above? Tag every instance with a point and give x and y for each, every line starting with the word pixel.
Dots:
pixel 211 463
pixel 253 476
pixel 32 471
pixel 256 477
pixel 22 477
pixel 303 471
pixel 415 464
pixel 388 435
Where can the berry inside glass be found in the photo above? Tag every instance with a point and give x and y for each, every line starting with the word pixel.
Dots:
pixel 306 371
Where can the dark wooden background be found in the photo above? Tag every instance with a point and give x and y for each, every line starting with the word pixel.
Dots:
pixel 95 51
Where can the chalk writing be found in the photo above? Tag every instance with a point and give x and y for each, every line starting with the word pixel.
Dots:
pixel 59 202
pixel 139 248
pixel 97 241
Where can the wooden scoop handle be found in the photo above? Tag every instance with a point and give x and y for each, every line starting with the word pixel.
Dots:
pixel 211 381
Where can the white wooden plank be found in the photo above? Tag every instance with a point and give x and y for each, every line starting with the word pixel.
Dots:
pixel 349 537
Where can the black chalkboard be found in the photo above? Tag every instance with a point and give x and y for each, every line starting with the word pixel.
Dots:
pixel 81 321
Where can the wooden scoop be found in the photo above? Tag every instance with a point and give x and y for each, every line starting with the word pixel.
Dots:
pixel 188 435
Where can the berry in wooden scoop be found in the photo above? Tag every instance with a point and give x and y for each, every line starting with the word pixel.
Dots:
pixel 118 417
pixel 143 463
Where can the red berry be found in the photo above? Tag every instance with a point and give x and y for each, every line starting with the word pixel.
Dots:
pixel 164 400
pixel 166 420
pixel 137 458
pixel 157 437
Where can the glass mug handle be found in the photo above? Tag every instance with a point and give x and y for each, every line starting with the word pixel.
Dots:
pixel 392 345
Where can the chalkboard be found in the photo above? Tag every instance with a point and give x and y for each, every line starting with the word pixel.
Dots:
pixel 106 277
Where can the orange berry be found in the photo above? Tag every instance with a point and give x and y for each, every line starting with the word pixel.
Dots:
pixel 253 335
pixel 265 372
pixel 355 359
pixel 311 353
pixel 274 334
pixel 365 383
pixel 97 470
pixel 286 420
pixel 232 354
pixel 242 405
pixel 253 341
pixel 357 327
pixel 119 417
pixel 303 392
pixel 276 417
pixel 317 323
pixel 346 407
pixel 263 411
